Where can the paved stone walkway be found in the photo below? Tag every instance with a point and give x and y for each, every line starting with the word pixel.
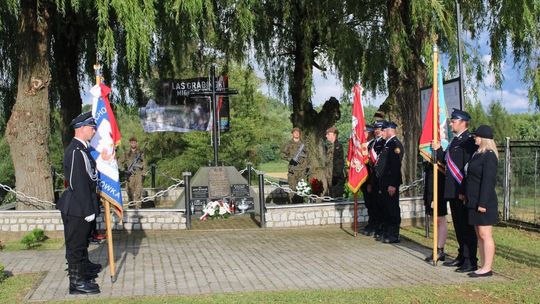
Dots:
pixel 203 262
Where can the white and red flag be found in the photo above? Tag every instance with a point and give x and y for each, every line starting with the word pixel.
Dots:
pixel 103 146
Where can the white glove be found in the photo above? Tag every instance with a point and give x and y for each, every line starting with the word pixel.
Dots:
pixel 90 217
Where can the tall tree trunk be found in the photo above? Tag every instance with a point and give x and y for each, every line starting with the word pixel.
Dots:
pixel 312 124
pixel 28 128
pixel 66 58
pixel 404 84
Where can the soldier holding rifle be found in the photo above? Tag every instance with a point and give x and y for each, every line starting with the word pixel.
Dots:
pixel 134 165
pixel 295 152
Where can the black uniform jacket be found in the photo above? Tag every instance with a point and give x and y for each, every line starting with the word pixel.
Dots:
pixel 338 161
pixel 377 145
pixel 388 166
pixel 80 197
pixel 461 148
pixel 481 179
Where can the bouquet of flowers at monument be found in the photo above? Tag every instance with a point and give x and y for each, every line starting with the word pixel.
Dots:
pixel 216 209
pixel 303 188
pixel 316 186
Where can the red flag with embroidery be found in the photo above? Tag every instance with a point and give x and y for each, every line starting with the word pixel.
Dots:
pixel 357 156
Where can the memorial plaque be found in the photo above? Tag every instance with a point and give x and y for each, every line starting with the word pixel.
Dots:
pixel 199 192
pixel 240 190
pixel 197 205
pixel 218 183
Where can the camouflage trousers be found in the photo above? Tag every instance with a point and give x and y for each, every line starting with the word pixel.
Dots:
pixel 135 188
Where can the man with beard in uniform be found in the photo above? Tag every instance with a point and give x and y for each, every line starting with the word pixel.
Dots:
pixel 375 209
pixel 78 206
pixel 335 163
pixel 295 152
pixel 457 155
pixel 388 169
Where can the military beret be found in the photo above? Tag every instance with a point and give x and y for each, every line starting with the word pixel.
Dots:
pixel 84 119
pixel 484 132
pixel 378 115
pixel 369 128
pixel 379 124
pixel 459 114
pixel 332 130
pixel 390 125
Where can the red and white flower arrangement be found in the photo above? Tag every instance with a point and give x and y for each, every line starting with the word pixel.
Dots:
pixel 216 209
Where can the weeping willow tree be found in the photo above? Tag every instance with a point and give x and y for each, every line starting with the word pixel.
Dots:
pixel 387 46
pixel 70 34
pixel 136 40
pixel 294 37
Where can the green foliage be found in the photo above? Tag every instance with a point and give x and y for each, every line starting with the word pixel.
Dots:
pixel 527 126
pixel 34 238
pixel 3 275
pixel 6 165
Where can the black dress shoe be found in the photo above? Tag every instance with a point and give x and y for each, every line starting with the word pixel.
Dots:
pixel 480 275
pixel 453 263
pixel 466 268
pixel 441 256
pixel 379 238
pixel 391 240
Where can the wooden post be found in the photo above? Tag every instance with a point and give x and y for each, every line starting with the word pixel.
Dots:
pixel 435 140
pixel 356 214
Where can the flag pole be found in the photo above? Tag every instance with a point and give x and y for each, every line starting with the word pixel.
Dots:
pixel 107 204
pixel 356 214
pixel 435 140
pixel 112 267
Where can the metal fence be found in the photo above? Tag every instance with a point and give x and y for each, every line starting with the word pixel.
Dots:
pixel 518 181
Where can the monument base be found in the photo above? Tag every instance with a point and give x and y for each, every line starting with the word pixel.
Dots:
pixel 219 183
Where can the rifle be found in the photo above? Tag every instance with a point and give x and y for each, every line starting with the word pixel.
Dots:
pixel 135 164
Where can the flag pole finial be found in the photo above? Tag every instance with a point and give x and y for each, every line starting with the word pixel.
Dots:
pixel 97 71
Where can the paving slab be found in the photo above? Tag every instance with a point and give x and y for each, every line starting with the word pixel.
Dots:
pixel 221 261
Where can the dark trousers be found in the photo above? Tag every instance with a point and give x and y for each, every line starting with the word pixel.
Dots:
pixel 392 213
pixel 465 234
pixel 368 201
pixel 377 211
pixel 374 210
pixel 337 187
pixel 76 233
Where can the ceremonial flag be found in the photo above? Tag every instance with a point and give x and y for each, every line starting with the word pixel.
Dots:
pixel 103 146
pixel 443 134
pixel 357 156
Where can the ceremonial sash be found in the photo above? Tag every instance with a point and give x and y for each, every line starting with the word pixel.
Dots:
pixel 453 168
pixel 373 155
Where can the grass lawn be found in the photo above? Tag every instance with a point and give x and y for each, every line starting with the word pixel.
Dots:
pixel 275 166
pixel 48 244
pixel 517 258
pixel 15 288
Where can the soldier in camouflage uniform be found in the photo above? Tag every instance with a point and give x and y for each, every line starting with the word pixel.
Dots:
pixel 335 164
pixel 295 152
pixel 134 164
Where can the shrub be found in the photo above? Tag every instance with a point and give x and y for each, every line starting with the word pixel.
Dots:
pixel 3 275
pixel 34 238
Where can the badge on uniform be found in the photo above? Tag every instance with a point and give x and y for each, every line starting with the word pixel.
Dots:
pixel 397 150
